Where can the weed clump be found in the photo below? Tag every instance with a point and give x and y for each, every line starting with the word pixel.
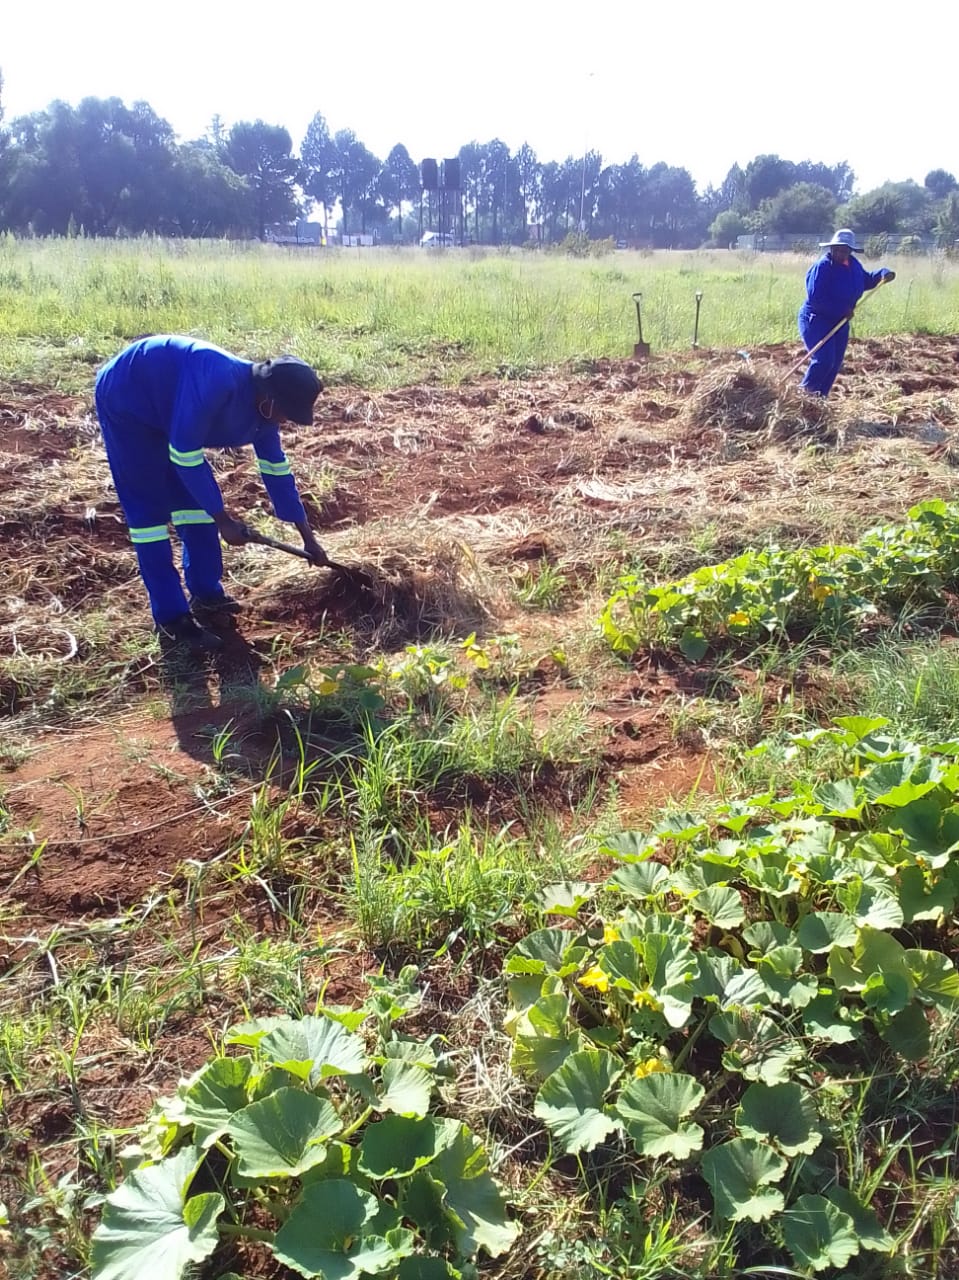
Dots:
pixel 743 399
pixel 412 594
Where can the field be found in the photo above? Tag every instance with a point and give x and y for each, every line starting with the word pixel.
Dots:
pixel 641 870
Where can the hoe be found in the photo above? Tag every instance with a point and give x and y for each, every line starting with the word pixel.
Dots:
pixel 351 577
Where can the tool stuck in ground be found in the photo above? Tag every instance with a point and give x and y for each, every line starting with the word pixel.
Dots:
pixel 699 300
pixel 808 355
pixel 352 577
pixel 641 348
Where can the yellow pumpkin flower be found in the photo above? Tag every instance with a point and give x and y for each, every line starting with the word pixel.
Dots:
pixel 610 933
pixel 738 619
pixel 650 1066
pixel 644 999
pixel 595 977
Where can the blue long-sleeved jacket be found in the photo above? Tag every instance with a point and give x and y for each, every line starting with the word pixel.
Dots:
pixel 198 396
pixel 833 288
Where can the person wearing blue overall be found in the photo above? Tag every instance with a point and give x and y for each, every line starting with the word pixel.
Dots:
pixel 834 286
pixel 161 402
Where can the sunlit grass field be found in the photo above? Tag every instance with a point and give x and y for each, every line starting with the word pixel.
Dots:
pixel 377 317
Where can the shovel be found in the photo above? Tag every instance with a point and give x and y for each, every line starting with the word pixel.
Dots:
pixel 641 349
pixel 358 579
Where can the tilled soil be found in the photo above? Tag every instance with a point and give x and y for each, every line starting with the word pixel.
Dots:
pixel 493 480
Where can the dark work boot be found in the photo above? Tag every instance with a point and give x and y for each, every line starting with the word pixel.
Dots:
pixel 185 631
pixel 211 608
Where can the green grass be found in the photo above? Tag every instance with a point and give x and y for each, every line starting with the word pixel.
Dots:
pixel 390 317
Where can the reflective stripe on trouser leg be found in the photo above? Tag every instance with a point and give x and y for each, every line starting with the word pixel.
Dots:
pixel 202 556
pixel 155 558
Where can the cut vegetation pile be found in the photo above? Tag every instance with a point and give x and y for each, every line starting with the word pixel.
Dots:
pixel 409 593
pixel 752 399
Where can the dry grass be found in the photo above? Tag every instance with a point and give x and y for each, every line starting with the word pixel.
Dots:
pixel 419 589
pixel 754 399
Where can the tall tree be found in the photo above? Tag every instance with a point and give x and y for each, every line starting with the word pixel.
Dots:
pixel 399 183
pixel 355 173
pixel 206 197
pixel 939 183
pixel 530 182
pixel 262 153
pixel 319 165
pixel 765 177
pixel 947 222
pixel 804 207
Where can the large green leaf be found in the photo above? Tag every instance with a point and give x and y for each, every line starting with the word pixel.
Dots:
pixel 313 1048
pixel 870 1233
pixel 544 1037
pixel 421 1268
pixel 935 977
pixel 407 1088
pixel 214 1094
pixel 826 1018
pixel 397 1146
pixel 908 1033
pixel 475 1204
pixel 855 728
pixel 901 782
pixel 922 898
pixel 740 1174
pixel 721 905
pixel 328 1234
pixel 566 898
pixel 840 799
pixel 654 1109
pixel 879 909
pixel 629 846
pixel 640 879
pixel 693 644
pixel 151 1228
pixel 822 930
pixel 779 971
pixel 929 831
pixel 572 1100
pixel 249 1034
pixel 783 1114
pixel 544 951
pixel 282 1135
pixel 818 1234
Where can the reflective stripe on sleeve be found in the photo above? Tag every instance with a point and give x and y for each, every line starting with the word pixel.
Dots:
pixel 150 533
pixel 192 458
pixel 192 517
pixel 274 468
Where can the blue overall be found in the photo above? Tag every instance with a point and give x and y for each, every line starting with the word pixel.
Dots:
pixel 161 402
pixel 832 291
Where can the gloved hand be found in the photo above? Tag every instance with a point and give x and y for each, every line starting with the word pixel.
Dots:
pixel 888 277
pixel 233 532
pixel 316 553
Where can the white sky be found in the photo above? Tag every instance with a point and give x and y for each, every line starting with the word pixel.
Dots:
pixel 698 83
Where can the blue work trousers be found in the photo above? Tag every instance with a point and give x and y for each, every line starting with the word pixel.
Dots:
pixel 153 496
pixel 825 365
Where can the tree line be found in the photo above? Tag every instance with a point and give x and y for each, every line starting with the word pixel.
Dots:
pixel 107 169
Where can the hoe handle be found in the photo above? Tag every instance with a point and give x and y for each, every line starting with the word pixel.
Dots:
pixel 807 355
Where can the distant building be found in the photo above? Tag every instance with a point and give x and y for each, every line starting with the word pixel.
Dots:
pixel 358 242
pixel 301 232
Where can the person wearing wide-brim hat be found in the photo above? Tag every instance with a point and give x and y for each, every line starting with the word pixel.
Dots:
pixel 834 286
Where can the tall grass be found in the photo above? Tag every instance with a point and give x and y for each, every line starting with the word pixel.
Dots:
pixel 381 317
